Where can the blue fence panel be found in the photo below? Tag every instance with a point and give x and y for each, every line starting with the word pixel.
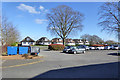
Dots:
pixel 23 50
pixel 11 50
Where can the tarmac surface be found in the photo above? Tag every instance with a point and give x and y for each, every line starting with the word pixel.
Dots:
pixel 55 64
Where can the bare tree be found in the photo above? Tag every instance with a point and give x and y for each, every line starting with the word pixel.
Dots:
pixel 110 42
pixel 97 39
pixel 109 16
pixel 85 37
pixel 10 34
pixel 93 39
pixel 63 20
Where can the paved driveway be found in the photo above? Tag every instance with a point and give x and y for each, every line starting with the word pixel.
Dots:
pixel 55 64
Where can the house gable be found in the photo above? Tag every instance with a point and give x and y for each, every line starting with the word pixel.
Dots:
pixel 27 39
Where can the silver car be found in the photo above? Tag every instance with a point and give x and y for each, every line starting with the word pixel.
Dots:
pixel 76 50
pixel 108 47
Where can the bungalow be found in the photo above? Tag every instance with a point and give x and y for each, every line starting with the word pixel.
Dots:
pixel 87 43
pixel 27 41
pixel 43 41
pixel 69 42
pixel 57 41
pixel 78 41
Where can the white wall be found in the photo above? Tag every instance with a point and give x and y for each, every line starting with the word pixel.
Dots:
pixel 70 43
pixel 27 43
pixel 87 43
pixel 44 43
pixel 57 43
pixel 80 43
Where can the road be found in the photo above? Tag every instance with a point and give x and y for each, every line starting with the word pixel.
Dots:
pixel 55 64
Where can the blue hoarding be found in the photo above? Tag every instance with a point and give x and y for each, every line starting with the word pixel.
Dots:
pixel 11 50
pixel 23 50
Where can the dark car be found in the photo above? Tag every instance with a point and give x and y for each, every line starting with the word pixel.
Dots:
pixel 76 50
pixel 67 48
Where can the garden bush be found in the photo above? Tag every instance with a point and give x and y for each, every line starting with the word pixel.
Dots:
pixel 4 54
pixel 26 56
pixel 56 47
pixel 14 44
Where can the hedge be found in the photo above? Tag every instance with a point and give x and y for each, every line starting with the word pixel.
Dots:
pixel 56 47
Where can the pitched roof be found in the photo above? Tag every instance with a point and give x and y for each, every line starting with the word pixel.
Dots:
pixel 43 39
pixel 69 41
pixel 57 40
pixel 27 39
pixel 77 40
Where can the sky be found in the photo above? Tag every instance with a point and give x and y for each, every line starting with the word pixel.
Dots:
pixel 30 18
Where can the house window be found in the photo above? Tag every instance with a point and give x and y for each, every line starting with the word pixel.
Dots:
pixel 59 40
pixel 28 39
pixel 46 39
pixel 31 42
pixel 28 42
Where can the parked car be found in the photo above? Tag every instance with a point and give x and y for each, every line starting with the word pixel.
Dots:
pixel 100 47
pixel 116 47
pixel 84 46
pixel 67 48
pixel 76 50
pixel 91 48
pixel 108 47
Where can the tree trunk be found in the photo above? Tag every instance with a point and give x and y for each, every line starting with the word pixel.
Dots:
pixel 84 42
pixel 63 41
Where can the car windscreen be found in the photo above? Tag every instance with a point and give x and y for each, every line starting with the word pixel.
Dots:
pixel 116 45
pixel 73 47
pixel 80 47
pixel 68 47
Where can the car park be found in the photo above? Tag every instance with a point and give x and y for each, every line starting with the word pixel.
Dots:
pixel 67 48
pixel 108 47
pixel 116 47
pixel 76 50
pixel 100 48
pixel 84 46
pixel 91 48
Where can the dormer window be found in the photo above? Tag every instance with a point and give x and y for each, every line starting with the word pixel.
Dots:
pixel 60 40
pixel 28 39
pixel 46 39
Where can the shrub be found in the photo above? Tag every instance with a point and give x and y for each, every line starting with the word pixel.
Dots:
pixel 26 56
pixel 4 54
pixel 77 44
pixel 56 47
pixel 14 44
pixel 69 45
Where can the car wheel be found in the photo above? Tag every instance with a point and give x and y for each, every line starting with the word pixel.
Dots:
pixel 83 52
pixel 75 52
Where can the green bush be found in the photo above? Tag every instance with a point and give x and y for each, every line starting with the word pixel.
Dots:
pixel 4 54
pixel 14 44
pixel 56 47
pixel 69 45
pixel 77 44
